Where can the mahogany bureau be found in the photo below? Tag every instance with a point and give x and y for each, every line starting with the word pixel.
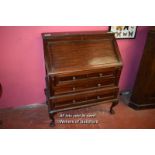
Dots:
pixel 82 69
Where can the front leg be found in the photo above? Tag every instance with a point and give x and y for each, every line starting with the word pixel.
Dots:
pixel 114 103
pixel 52 124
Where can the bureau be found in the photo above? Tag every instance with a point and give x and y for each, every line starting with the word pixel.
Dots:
pixel 82 70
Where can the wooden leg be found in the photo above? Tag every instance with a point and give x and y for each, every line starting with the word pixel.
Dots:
pixel 46 94
pixel 52 124
pixel 1 124
pixel 112 106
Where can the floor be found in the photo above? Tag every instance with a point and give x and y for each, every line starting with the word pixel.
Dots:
pixel 36 117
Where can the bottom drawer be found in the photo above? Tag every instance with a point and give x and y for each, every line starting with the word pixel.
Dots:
pixel 84 97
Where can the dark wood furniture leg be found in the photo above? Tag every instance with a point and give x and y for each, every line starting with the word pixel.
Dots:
pixel 46 94
pixel 52 124
pixel 114 103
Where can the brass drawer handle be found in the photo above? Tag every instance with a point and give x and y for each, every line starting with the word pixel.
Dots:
pixel 98 97
pixel 99 85
pixel 74 101
pixel 100 74
pixel 74 77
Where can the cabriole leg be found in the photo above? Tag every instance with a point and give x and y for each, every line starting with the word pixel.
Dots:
pixel 52 124
pixel 114 103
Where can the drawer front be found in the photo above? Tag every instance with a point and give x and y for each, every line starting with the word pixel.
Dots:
pixel 84 97
pixel 62 79
pixel 83 85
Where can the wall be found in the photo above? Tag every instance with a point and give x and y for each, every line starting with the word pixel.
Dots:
pixel 22 62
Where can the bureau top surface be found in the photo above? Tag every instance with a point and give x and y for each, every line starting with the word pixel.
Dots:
pixel 66 52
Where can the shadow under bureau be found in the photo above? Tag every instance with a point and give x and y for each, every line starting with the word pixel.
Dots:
pixel 82 69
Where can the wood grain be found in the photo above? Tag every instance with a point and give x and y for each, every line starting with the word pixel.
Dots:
pixel 82 69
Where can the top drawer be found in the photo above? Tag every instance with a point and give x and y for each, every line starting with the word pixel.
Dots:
pixel 61 79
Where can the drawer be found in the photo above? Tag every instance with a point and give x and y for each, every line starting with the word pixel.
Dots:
pixel 83 85
pixel 61 79
pixel 84 97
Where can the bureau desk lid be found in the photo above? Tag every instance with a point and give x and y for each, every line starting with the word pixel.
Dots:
pixel 75 51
